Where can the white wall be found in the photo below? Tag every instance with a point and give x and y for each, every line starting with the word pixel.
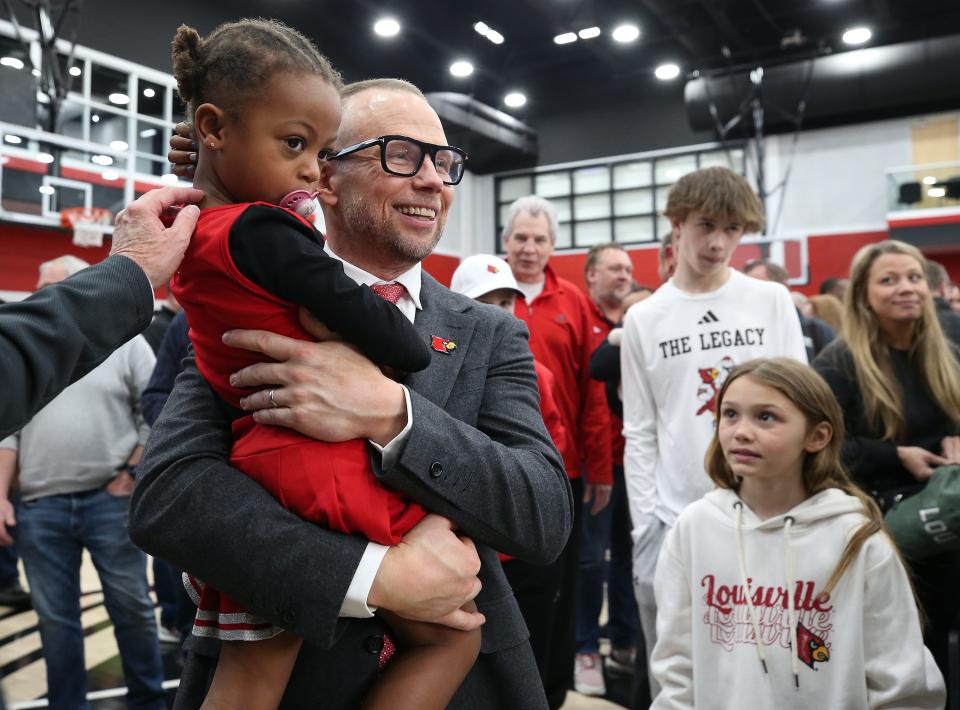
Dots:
pixel 837 184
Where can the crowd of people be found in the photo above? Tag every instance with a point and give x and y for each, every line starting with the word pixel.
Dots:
pixel 390 494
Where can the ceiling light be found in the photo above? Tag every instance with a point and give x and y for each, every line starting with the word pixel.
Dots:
pixel 386 27
pixel 148 132
pixel 485 30
pixel 75 71
pixel 118 98
pixel 937 192
pixel 495 37
pixel 589 32
pixel 565 38
pixel 514 99
pixel 110 175
pixel 44 157
pixel 10 138
pixel 95 118
pixel 857 35
pixel 102 160
pixel 929 180
pixel 149 93
pixel 482 28
pixel 461 68
pixel 625 33
pixel 119 145
pixel 47 190
pixel 11 62
pixel 666 72
pixel 35 72
pixel 169 179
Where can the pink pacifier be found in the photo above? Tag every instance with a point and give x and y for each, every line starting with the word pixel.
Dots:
pixel 300 201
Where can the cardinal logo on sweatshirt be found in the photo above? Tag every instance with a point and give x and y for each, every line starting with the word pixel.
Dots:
pixel 810 647
pixel 711 380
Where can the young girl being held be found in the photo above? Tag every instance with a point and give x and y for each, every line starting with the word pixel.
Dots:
pixel 757 606
pixel 265 107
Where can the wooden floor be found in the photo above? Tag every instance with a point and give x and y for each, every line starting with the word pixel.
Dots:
pixel 23 672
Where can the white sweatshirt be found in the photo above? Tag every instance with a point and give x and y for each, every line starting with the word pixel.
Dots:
pixel 677 350
pixel 860 648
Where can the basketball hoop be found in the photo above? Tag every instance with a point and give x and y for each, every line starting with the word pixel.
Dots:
pixel 86 223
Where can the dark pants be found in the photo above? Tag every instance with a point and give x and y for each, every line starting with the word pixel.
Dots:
pixel 546 596
pixel 936 580
pixel 610 528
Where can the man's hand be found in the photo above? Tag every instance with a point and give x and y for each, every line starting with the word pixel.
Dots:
pixel 140 235
pixel 919 461
pixel 327 391
pixel 600 493
pixel 121 485
pixel 429 576
pixel 7 520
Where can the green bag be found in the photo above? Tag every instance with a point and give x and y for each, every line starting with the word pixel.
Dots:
pixel 928 523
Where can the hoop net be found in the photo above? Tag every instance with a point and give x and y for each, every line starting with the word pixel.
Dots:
pixel 87 224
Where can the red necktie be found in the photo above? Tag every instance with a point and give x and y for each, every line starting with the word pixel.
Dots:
pixel 389 292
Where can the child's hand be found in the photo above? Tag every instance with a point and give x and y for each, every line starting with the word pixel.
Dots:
pixel 317 329
pixel 919 461
pixel 183 151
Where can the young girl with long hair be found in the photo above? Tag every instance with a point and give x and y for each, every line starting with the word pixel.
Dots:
pixel 265 106
pixel 897 379
pixel 781 588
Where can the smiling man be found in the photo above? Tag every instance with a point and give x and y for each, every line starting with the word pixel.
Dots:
pixel 464 438
pixel 678 346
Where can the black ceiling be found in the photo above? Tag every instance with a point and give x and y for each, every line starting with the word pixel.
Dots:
pixel 697 34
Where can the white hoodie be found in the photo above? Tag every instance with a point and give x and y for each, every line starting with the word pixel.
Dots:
pixel 860 648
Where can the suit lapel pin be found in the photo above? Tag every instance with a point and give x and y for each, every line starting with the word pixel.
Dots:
pixel 442 345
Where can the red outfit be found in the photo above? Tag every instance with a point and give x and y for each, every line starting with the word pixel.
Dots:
pixel 562 338
pixel 329 484
pixel 601 328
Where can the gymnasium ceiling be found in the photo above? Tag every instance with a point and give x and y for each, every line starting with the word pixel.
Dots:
pixel 698 35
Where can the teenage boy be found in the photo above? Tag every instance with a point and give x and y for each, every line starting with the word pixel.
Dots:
pixel 678 346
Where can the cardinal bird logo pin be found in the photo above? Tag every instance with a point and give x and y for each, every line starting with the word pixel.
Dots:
pixel 442 345
pixel 493 268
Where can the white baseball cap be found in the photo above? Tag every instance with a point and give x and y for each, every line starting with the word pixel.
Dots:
pixel 482 273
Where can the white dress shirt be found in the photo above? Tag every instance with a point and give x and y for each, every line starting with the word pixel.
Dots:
pixel 355 602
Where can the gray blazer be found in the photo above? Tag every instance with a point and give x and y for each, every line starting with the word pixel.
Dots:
pixel 63 331
pixel 478 453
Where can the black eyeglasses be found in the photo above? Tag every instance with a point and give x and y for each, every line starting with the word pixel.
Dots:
pixel 403 156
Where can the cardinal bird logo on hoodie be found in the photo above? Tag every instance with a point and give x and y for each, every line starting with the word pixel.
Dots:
pixel 810 647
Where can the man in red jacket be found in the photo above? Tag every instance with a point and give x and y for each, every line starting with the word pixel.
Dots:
pixel 558 315
pixel 608 273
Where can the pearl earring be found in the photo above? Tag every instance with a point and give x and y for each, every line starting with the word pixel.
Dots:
pixel 212 146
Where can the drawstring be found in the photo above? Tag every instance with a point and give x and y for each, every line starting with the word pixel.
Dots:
pixel 791 606
pixel 751 612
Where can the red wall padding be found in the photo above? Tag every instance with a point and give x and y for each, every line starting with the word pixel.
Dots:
pixel 23 249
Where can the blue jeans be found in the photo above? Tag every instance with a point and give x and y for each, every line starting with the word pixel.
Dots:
pixel 51 534
pixel 608 528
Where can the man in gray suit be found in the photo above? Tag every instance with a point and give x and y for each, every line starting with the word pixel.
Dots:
pixel 464 438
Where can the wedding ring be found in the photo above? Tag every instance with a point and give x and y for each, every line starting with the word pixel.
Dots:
pixel 273 402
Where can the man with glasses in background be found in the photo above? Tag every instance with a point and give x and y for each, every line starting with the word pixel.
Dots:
pixel 464 438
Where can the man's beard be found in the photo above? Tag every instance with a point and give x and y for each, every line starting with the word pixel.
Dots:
pixel 363 224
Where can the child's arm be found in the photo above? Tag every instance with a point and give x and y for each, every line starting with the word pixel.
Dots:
pixel 900 671
pixel 672 659
pixel 283 256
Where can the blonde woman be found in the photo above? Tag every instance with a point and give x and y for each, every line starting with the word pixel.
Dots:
pixel 898 382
